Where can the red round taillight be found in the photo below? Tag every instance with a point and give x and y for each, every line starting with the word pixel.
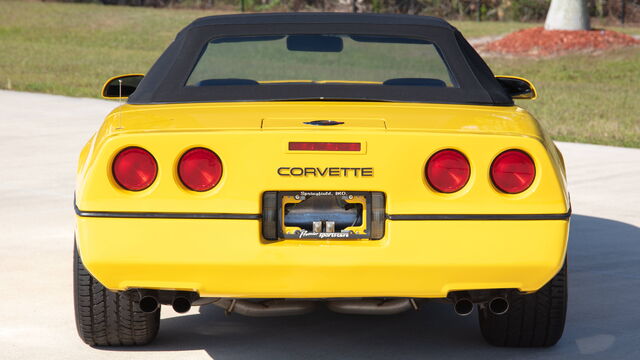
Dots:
pixel 448 171
pixel 200 169
pixel 134 169
pixel 513 171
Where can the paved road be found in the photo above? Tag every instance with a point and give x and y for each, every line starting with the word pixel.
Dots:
pixel 40 137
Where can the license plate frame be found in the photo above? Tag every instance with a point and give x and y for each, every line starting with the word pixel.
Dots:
pixel 361 232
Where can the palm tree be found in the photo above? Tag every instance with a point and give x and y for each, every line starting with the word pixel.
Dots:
pixel 567 15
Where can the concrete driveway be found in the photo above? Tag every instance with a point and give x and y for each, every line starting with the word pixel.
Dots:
pixel 40 138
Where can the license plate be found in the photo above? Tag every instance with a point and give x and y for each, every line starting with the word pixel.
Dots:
pixel 326 215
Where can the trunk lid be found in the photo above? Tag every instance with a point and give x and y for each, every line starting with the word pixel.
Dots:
pixel 369 116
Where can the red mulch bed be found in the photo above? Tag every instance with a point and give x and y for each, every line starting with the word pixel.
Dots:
pixel 544 43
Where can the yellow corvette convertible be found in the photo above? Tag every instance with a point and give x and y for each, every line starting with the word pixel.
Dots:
pixel 273 164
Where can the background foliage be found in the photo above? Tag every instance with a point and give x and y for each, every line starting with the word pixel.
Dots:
pixel 71 49
pixel 504 10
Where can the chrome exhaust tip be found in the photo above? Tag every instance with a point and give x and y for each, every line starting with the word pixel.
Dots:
pixel 148 304
pixel 498 306
pixel 181 304
pixel 463 307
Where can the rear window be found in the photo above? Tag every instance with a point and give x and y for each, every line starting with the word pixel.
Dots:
pixel 320 59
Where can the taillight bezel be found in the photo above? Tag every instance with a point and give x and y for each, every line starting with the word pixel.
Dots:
pixel 500 189
pixel 436 188
pixel 181 181
pixel 115 177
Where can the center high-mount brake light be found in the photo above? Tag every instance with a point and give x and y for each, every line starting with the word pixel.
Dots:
pixel 324 146
pixel 134 169
pixel 448 171
pixel 200 169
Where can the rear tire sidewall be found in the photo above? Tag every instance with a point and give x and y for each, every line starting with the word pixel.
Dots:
pixel 533 320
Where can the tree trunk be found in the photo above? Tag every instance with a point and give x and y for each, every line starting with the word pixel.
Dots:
pixel 567 15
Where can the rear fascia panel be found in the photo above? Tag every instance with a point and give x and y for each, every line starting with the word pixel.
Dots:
pixel 251 160
pixel 225 258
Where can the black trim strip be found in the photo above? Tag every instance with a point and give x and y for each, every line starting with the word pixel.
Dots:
pixel 398 217
pixel 402 217
pixel 165 215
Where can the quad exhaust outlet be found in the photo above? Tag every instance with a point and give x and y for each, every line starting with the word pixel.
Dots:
pixel 463 307
pixel 498 306
pixel 181 304
pixel 495 301
pixel 149 304
pixel 150 300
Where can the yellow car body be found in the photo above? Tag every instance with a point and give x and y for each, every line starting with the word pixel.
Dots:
pixel 271 163
pixel 476 238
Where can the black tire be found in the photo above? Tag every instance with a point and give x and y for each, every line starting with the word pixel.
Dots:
pixel 533 320
pixel 107 318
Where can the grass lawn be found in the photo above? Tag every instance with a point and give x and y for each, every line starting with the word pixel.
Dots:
pixel 70 49
pixel 583 98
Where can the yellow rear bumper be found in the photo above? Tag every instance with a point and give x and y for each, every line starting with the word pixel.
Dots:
pixel 227 258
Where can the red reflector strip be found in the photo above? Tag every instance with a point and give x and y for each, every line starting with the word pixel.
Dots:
pixel 324 146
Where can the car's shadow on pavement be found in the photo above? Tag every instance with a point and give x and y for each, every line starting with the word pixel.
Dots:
pixel 603 320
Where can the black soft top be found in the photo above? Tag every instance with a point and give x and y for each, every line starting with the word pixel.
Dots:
pixel 320 18
pixel 165 81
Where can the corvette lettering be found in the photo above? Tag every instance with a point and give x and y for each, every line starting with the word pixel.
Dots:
pixel 326 171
